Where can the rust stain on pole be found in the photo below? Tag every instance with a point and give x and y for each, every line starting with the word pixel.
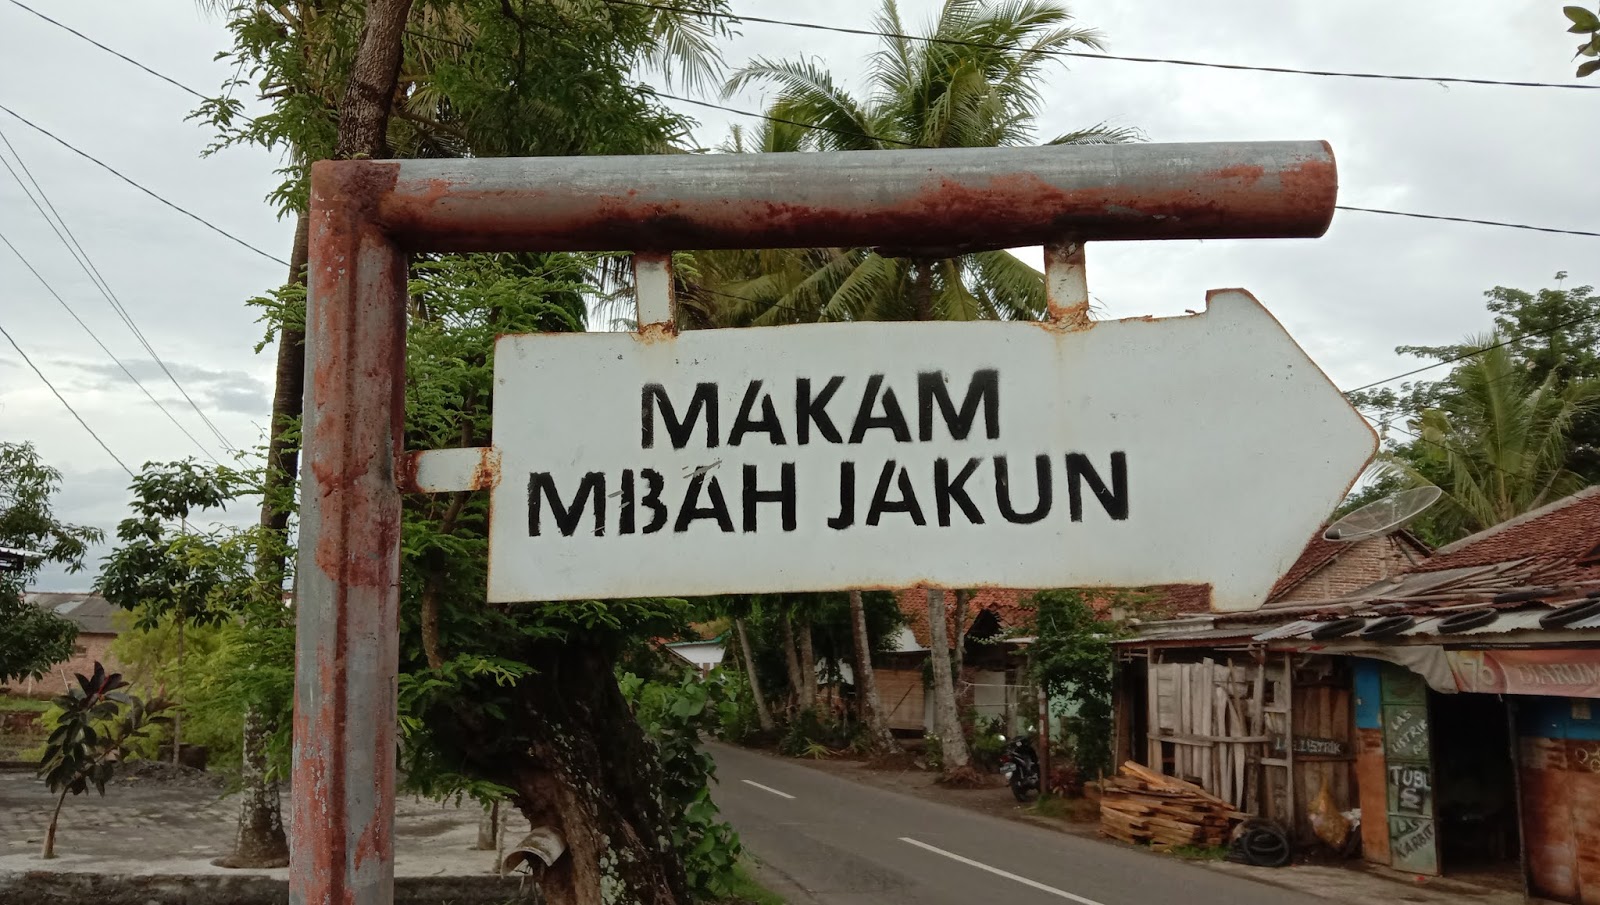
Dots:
pixel 347 637
pixel 948 200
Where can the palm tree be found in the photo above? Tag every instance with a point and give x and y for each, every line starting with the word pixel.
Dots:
pixel 975 82
pixel 1498 442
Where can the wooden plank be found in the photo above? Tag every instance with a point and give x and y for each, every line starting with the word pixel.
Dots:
pixel 1292 815
pixel 1203 725
pixel 1152 684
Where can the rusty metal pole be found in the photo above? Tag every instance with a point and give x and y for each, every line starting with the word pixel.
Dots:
pixel 366 215
pixel 347 631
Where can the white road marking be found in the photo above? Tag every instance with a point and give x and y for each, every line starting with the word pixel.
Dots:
pixel 751 782
pixel 999 873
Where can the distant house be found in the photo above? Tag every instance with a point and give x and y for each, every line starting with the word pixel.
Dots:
pixel 92 614
pixel 998 621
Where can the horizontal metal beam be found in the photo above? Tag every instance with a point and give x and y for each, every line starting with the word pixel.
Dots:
pixel 915 201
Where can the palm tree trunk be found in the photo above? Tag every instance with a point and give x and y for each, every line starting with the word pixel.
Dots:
pixel 946 722
pixel 260 840
pixel 866 682
pixel 808 663
pixel 791 662
pixel 177 712
pixel 960 664
pixel 763 715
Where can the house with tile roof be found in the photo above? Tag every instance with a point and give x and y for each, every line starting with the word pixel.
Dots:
pixel 1456 704
pixel 93 616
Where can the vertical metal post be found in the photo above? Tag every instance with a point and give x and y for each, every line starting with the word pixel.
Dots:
pixel 347 636
pixel 1066 283
pixel 653 297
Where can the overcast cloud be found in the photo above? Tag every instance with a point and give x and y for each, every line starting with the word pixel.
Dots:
pixel 1372 283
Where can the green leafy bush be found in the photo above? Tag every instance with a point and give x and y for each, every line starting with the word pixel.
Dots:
pixel 673 716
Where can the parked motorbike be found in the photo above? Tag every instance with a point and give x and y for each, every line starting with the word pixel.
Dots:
pixel 1019 763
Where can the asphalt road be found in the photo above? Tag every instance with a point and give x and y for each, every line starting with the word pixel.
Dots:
pixel 846 843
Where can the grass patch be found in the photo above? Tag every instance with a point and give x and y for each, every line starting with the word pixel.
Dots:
pixel 1077 810
pixel 1198 852
pixel 746 891
pixel 15 704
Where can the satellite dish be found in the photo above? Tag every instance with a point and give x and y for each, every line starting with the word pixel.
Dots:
pixel 1383 515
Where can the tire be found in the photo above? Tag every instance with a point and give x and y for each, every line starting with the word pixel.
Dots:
pixel 1337 629
pixel 1572 612
pixel 1388 625
pixel 1466 619
pixel 1021 792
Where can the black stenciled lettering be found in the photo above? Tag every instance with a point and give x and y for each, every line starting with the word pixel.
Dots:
pixel 810 410
pixel 625 509
pixel 767 424
pixel 892 418
pixel 653 484
pixel 654 396
pixel 591 491
pixel 784 496
pixel 945 490
pixel 691 510
pixel 847 498
pixel 907 502
pixel 984 389
pixel 1114 501
pixel 1002 491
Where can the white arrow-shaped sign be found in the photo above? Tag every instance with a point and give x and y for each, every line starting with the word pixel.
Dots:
pixel 1200 449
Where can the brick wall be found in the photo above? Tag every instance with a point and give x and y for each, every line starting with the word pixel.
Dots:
pixel 86 650
pixel 1363 563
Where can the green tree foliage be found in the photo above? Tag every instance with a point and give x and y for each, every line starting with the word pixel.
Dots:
pixel 979 83
pixel 1071 658
pixel 674 715
pixel 31 640
pixel 1514 425
pixel 96 724
pixel 828 615
pixel 1585 22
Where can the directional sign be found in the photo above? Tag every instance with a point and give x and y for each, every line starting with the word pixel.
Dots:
pixel 1201 449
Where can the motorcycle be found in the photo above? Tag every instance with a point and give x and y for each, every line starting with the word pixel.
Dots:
pixel 1019 763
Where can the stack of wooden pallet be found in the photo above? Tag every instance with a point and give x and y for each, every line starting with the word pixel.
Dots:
pixel 1146 807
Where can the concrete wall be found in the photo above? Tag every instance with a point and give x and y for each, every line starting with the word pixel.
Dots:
pixel 86 650
pixel 1361 564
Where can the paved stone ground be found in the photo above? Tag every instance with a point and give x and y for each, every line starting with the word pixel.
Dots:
pixel 149 826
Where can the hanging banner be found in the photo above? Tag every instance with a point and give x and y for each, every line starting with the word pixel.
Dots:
pixel 1562 673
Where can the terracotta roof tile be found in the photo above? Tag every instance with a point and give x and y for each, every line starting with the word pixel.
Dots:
pixel 1557 535
pixel 1011 607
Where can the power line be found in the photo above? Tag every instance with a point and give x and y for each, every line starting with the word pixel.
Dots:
pixel 114 53
pixel 907 144
pixel 1489 348
pixel 63 401
pixel 107 167
pixel 102 345
pixel 1500 223
pixel 901 142
pixel 81 255
pixel 1090 55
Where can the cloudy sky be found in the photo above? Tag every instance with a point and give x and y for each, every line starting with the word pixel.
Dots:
pixel 1514 154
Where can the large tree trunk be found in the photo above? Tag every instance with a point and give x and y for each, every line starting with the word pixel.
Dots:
pixel 763 714
pixel 580 765
pixel 260 841
pixel 866 682
pixel 947 723
pixel 791 662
